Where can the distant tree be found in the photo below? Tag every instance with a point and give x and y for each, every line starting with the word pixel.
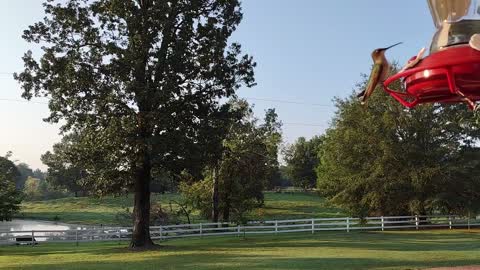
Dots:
pixel 140 81
pixel 39 174
pixel 163 181
pixel 384 159
pixel 10 197
pixel 280 179
pixel 302 160
pixel 25 173
pixel 32 189
pixel 61 172
pixel 272 128
pixel 37 189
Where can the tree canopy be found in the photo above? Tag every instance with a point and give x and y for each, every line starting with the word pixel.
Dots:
pixel 25 173
pixel 61 173
pixel 384 159
pixel 139 82
pixel 302 160
pixel 248 161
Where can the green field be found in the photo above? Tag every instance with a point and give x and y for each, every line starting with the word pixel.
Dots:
pixel 103 210
pixel 327 250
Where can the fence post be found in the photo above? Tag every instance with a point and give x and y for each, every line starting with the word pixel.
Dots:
pixel 416 222
pixel 276 227
pixel 313 226
pixel 76 237
pixel 450 222
pixel 33 238
pixel 201 230
pixel 238 230
pixel 160 232
pixel 468 221
pixel 383 224
pixel 348 224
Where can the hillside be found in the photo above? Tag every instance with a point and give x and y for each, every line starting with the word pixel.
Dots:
pixel 95 211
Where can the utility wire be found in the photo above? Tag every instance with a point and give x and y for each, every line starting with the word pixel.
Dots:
pixel 289 102
pixel 45 103
pixel 22 101
pixel 260 99
pixel 304 124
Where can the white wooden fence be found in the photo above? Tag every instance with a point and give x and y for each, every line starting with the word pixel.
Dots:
pixel 258 227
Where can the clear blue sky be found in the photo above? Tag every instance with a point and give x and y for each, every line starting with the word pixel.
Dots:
pixel 308 51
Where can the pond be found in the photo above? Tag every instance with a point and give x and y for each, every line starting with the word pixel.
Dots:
pixel 36 225
pixel 32 225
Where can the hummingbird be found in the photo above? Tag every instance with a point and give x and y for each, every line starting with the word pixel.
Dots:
pixel 380 70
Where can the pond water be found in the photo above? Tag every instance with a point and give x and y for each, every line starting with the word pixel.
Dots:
pixel 29 225
pixel 22 228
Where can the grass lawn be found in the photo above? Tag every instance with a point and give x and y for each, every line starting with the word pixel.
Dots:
pixel 327 250
pixel 102 210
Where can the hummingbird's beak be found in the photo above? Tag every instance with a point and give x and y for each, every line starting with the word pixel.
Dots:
pixel 384 49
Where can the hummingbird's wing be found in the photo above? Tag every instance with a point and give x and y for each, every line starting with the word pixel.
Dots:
pixel 373 81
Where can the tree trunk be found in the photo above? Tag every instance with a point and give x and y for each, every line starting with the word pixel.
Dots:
pixel 215 198
pixel 422 213
pixel 141 212
pixel 226 211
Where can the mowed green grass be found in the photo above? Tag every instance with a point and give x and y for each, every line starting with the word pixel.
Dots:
pixel 326 250
pixel 295 206
pixel 96 211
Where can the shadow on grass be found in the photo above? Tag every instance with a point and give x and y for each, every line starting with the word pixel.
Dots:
pixel 357 250
pixel 251 262
pixel 403 241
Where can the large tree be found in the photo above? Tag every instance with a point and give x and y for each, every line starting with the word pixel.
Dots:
pixel 10 197
pixel 139 81
pixel 248 160
pixel 384 159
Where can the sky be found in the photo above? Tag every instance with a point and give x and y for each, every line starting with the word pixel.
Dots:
pixel 307 51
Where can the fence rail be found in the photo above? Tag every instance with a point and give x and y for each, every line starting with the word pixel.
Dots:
pixel 258 227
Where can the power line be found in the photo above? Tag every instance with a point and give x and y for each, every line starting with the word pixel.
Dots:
pixel 290 102
pixel 45 103
pixel 252 98
pixel 305 124
pixel 22 101
pixel 260 99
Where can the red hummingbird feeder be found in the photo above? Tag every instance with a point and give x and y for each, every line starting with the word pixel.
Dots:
pixel 451 72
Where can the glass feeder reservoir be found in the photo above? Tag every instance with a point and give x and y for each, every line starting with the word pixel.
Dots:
pixel 456 22
pixel 451 73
